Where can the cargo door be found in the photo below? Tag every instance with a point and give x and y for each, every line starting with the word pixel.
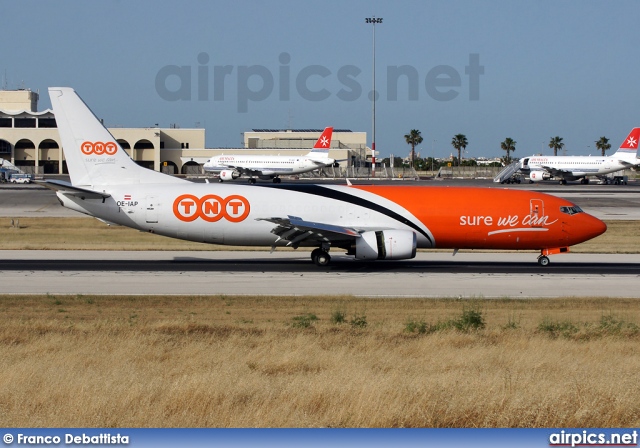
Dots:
pixel 536 212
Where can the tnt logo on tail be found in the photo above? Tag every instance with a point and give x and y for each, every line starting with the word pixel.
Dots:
pixel 98 148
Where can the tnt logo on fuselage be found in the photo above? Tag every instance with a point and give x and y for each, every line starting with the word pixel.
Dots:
pixel 211 208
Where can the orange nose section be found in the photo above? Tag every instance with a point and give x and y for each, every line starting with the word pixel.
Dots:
pixel 590 227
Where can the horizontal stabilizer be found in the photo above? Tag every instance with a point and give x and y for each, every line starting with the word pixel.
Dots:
pixel 69 190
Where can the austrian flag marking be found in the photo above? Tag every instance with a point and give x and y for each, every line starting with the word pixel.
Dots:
pixel 126 201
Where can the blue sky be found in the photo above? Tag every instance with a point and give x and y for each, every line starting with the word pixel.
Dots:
pixel 567 68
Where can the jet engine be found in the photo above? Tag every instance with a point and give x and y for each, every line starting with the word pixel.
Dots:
pixel 386 245
pixel 537 176
pixel 229 174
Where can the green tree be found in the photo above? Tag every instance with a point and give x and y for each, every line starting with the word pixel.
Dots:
pixel 508 145
pixel 413 138
pixel 421 164
pixel 603 145
pixel 555 143
pixel 459 142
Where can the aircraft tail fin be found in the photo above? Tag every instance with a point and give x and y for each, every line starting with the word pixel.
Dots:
pixel 321 148
pixel 93 155
pixel 629 147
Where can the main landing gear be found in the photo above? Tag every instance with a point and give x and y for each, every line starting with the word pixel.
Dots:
pixel 320 257
pixel 276 180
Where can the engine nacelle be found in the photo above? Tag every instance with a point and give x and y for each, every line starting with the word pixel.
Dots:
pixel 229 174
pixel 537 176
pixel 386 245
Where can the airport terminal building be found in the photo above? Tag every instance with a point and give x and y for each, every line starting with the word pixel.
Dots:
pixel 29 139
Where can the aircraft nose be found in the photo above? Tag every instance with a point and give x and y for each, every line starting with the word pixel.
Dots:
pixel 591 227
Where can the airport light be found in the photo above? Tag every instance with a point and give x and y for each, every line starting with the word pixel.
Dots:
pixel 433 154
pixel 373 20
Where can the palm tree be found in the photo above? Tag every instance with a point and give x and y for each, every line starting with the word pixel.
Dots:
pixel 556 143
pixel 603 145
pixel 413 138
pixel 508 145
pixel 459 142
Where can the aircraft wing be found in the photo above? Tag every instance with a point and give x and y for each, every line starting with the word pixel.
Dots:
pixel 555 172
pixel 69 190
pixel 243 170
pixel 295 230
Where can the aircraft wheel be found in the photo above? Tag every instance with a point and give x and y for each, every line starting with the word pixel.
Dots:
pixel 323 259
pixel 252 181
pixel 276 180
pixel 314 254
pixel 220 180
pixel 320 257
pixel 543 261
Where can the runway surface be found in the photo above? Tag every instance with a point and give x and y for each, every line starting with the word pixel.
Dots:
pixel 467 275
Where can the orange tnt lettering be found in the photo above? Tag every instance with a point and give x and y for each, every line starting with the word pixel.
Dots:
pixel 211 208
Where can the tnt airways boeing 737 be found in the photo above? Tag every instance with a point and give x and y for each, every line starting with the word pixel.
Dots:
pixel 272 167
pixel 581 167
pixel 368 222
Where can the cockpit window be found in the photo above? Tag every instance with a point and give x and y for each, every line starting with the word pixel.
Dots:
pixel 571 210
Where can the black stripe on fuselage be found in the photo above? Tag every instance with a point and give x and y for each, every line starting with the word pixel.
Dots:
pixel 318 190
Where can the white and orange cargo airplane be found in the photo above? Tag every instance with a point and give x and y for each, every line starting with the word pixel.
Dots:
pixel 272 167
pixel 369 222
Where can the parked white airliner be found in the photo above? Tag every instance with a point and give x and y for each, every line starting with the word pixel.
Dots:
pixel 370 222
pixel 567 168
pixel 272 167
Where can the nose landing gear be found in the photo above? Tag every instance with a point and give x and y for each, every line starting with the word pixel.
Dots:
pixel 543 259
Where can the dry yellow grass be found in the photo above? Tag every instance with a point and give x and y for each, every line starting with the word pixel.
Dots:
pixel 241 362
pixel 91 234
